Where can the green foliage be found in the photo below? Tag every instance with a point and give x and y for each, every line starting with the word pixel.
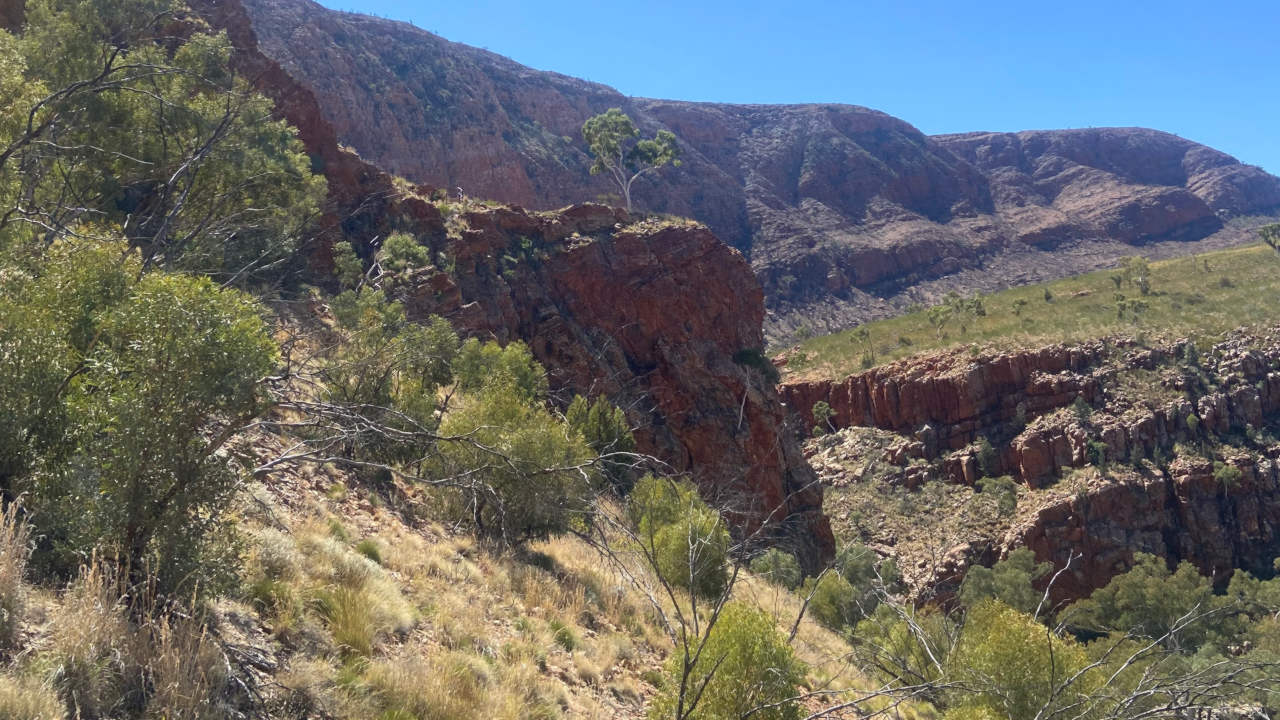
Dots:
pixel 778 567
pixel 822 414
pixel 389 368
pixel 605 429
pixel 755 358
pixel 184 156
pixel 154 373
pixel 401 252
pixel 488 365
pixel 1009 666
pixel 370 549
pixel 1137 273
pixel 842 598
pixel 1005 490
pixel 1270 235
pixel 512 468
pixel 347 265
pixel 1096 452
pixel 988 458
pixel 746 666
pixel 687 541
pixel 832 601
pixel 1228 476
pixel 1082 410
pixel 1011 581
pixel 1148 600
pixel 613 140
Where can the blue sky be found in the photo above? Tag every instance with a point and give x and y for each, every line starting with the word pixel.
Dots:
pixel 1204 70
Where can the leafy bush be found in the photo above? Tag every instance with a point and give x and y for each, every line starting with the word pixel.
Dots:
pixel 401 252
pixel 778 567
pixel 686 541
pixel 832 601
pixel 842 598
pixel 1148 600
pixel 1227 475
pixel 479 366
pixel 754 671
pixel 513 470
pixel 1011 581
pixel 1009 666
pixel 605 429
pixel 755 358
pixel 159 371
pixel 988 458
pixel 1005 490
pixel 187 158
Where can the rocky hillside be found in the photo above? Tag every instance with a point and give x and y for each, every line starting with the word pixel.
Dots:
pixel 662 318
pixel 845 213
pixel 1109 447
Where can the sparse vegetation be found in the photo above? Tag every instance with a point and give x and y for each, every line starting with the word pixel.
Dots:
pixel 1082 307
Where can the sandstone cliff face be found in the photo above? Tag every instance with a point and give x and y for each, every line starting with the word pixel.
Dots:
pixel 845 213
pixel 1135 473
pixel 650 315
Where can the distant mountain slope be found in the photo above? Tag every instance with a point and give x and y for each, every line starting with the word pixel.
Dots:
pixel 844 212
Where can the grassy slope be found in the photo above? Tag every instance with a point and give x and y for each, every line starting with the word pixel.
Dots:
pixel 1240 287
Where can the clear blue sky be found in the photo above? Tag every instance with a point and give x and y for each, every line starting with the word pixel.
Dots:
pixel 1205 70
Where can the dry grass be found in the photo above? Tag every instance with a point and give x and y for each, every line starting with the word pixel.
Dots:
pixel 15 550
pixel 187 670
pixel 28 699
pixel 90 637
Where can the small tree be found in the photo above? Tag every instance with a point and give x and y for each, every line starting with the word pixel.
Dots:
pixel 1137 272
pixel 822 414
pixel 1270 235
pixel 612 139
pixel 746 668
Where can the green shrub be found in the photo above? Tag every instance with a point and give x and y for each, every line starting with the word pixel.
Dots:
pixel 778 567
pixel 755 358
pixel 1149 601
pixel 832 601
pixel 691 553
pixel 1011 581
pixel 754 670
pixel 162 368
pixel 1228 476
pixel 988 458
pixel 1007 665
pixel 687 541
pixel 606 430
pixel 539 485
pixel 370 549
pixel 401 252
pixel 1005 490
pixel 564 635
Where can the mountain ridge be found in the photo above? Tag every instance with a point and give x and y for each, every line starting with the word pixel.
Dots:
pixel 845 212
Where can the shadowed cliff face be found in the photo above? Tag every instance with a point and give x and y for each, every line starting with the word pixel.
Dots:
pixel 650 315
pixel 845 213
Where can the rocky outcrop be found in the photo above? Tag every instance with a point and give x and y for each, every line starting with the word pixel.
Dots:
pixel 650 315
pixel 1184 513
pixel 1142 464
pixel 946 400
pixel 844 212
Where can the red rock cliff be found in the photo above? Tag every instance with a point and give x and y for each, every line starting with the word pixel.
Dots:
pixel 650 316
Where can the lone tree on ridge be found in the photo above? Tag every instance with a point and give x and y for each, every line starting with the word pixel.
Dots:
pixel 613 140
